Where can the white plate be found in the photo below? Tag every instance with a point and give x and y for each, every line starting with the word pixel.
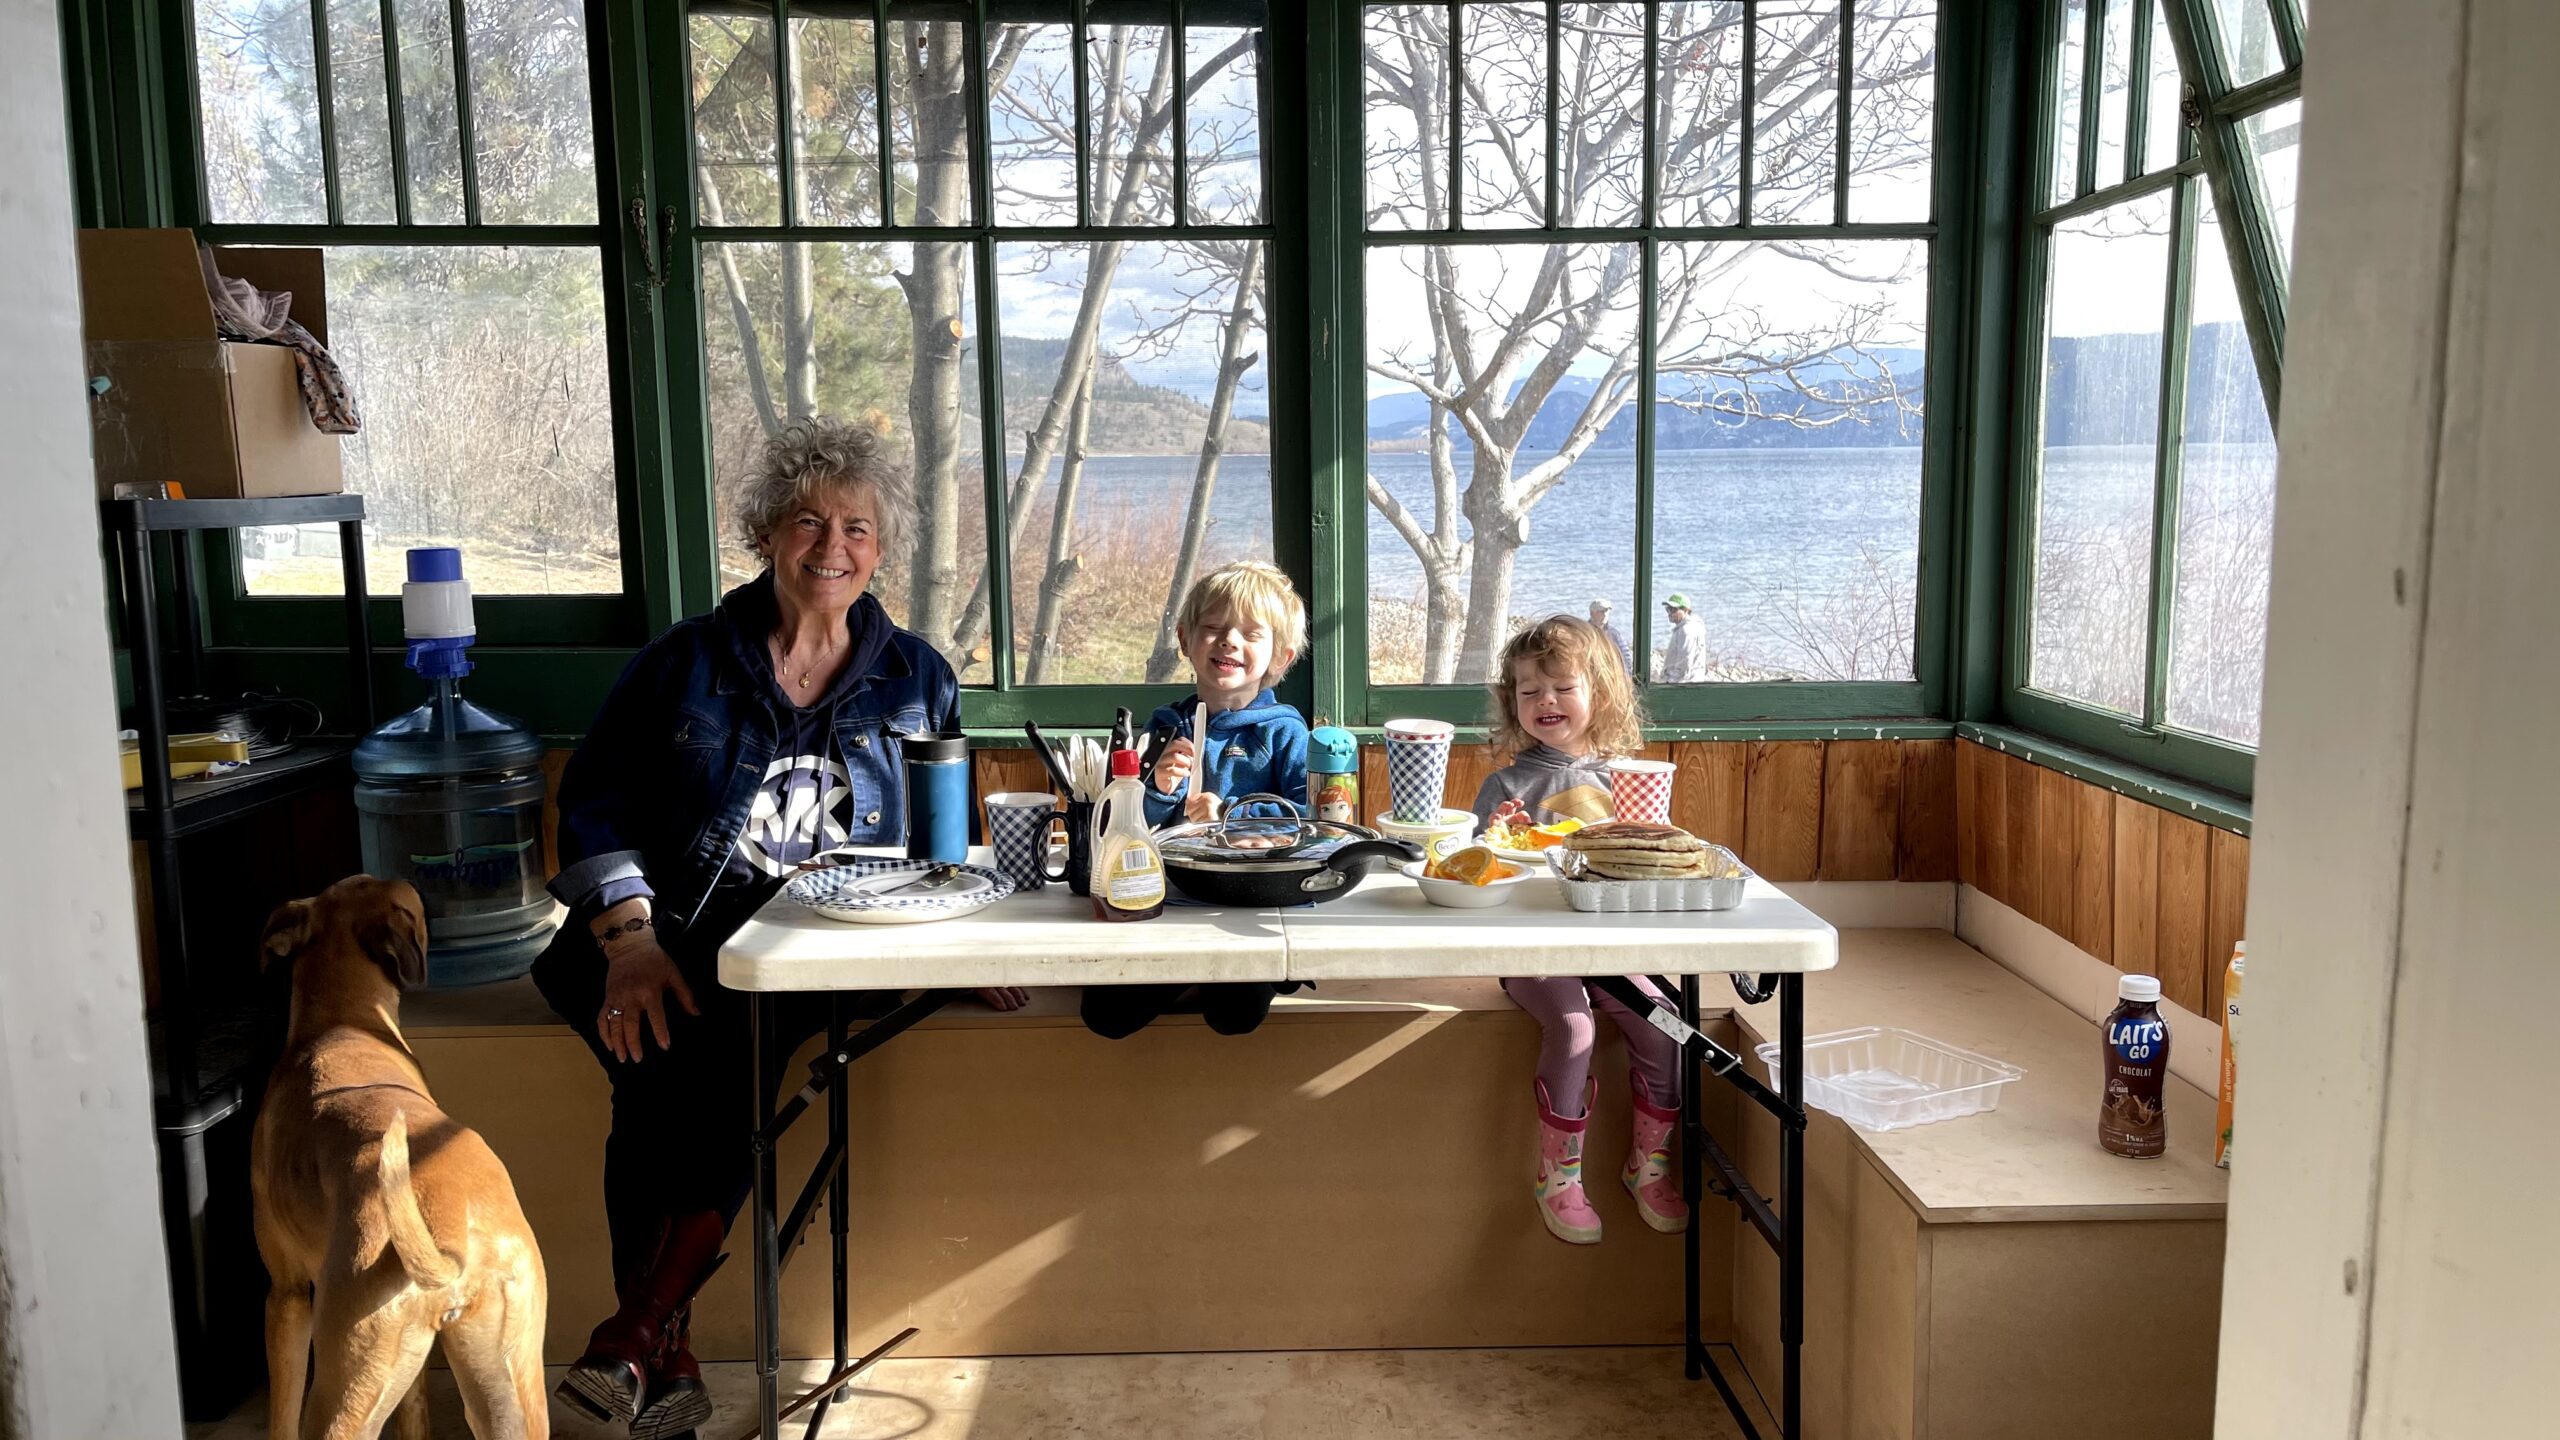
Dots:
pixel 1458 894
pixel 852 893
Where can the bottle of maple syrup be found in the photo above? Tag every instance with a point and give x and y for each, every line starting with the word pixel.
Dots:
pixel 1128 870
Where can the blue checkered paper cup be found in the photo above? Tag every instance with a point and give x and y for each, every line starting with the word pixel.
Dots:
pixel 1417 768
pixel 1018 832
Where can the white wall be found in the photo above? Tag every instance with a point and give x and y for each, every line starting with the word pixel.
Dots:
pixel 2392 1265
pixel 84 1298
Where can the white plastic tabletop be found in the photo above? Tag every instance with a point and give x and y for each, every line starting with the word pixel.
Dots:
pixel 1384 930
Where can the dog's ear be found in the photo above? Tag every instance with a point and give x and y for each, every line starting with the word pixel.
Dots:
pixel 287 929
pixel 397 940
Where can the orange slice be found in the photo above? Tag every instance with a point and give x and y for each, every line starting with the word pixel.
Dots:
pixel 1474 865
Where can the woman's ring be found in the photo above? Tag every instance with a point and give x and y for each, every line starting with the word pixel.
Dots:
pixel 613 1014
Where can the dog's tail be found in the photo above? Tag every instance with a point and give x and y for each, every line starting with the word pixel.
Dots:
pixel 427 1266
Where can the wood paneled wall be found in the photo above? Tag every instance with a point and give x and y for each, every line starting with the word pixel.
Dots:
pixel 2144 889
pixel 1793 809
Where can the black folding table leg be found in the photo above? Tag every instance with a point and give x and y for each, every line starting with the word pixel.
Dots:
pixel 1791 1172
pixel 768 1252
pixel 1692 1141
pixel 840 1189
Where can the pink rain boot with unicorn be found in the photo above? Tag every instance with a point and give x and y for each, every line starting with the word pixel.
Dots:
pixel 1561 1200
pixel 1648 1173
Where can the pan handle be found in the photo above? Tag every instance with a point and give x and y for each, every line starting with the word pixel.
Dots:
pixel 1357 859
pixel 1288 808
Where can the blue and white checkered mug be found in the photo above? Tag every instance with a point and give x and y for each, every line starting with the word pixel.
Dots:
pixel 1417 768
pixel 1018 832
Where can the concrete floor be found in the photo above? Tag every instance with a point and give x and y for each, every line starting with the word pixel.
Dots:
pixel 1606 1394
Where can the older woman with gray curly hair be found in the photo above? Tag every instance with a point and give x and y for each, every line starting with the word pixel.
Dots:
pixel 737 748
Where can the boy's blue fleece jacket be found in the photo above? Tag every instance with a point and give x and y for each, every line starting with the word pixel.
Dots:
pixel 1260 749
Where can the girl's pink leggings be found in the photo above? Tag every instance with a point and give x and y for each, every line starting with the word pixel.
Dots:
pixel 1563 1005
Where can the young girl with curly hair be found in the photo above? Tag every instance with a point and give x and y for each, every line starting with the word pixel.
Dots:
pixel 1563 706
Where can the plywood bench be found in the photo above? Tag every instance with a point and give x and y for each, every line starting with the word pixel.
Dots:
pixel 1996 1276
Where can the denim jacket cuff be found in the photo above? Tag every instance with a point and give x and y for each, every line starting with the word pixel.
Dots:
pixel 578 885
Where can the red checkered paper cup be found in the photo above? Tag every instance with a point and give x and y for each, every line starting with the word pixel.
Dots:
pixel 1417 768
pixel 1640 790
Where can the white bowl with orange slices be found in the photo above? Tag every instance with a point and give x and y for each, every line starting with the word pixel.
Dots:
pixel 1474 878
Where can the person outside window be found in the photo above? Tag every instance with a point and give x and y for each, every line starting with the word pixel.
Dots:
pixel 1684 658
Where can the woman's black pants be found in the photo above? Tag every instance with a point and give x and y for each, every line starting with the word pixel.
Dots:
pixel 682 1115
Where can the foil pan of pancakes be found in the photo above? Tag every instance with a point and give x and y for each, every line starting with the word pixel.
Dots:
pixel 1628 866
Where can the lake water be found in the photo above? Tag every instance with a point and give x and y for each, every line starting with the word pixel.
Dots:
pixel 1802 561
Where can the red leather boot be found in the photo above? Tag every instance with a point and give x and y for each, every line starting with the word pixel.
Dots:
pixel 676 1403
pixel 612 1380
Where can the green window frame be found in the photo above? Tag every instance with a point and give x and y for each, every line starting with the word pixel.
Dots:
pixel 2212 162
pixel 1756 708
pixel 136 161
pixel 1004 700
pixel 647 600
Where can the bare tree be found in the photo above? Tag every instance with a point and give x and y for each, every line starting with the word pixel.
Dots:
pixel 1507 325
pixel 1131 178
pixel 1240 267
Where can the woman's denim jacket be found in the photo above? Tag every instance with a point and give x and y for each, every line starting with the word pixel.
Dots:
pixel 654 800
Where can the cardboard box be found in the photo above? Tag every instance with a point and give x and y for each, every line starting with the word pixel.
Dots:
pixel 169 399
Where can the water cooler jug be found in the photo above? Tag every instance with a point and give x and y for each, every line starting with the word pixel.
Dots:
pixel 450 798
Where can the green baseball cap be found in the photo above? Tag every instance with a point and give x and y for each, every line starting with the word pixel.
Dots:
pixel 1677 601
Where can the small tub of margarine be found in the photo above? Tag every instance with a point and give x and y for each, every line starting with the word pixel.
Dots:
pixel 1439 838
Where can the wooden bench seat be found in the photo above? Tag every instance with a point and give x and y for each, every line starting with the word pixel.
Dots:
pixel 1998 1275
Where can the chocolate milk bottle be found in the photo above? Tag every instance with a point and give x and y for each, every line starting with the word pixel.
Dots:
pixel 2131 1121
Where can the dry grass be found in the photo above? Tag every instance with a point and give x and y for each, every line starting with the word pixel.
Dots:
pixel 492 568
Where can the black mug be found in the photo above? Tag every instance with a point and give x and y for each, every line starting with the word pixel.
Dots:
pixel 1079 867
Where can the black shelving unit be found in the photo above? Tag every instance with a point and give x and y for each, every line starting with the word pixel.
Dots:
pixel 165 810
pixel 205 1037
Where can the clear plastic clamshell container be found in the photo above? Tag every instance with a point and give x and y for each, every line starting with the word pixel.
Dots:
pixel 1884 1078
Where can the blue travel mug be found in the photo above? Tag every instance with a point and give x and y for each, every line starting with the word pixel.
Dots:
pixel 937 773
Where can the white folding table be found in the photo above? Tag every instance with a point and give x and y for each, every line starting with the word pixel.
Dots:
pixel 1383 930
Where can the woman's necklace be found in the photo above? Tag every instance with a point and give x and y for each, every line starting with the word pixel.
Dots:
pixel 782 653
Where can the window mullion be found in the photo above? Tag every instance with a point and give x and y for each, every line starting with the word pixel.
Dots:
pixel 1651 199
pixel 325 86
pixel 991 431
pixel 1641 632
pixel 1840 116
pixel 2137 78
pixel 880 107
pixel 395 110
pixel 1457 117
pixel 1750 108
pixel 2093 75
pixel 2169 450
pixel 786 112
pixel 660 70
pixel 1336 278
pixel 1083 38
pixel 2248 235
pixel 1181 62
pixel 463 129
pixel 1640 625
pixel 2287 15
pixel 1555 110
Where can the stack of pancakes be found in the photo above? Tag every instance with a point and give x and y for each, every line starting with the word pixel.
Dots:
pixel 1632 850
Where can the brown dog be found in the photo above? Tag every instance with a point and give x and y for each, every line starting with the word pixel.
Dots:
pixel 384 1224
